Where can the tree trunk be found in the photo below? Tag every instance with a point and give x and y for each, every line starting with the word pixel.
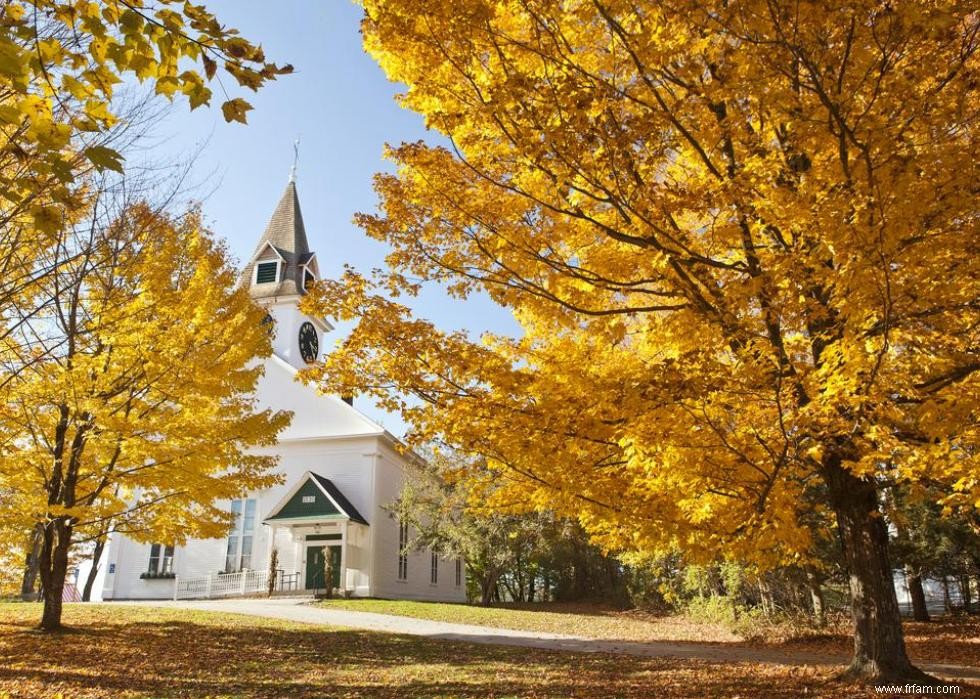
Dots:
pixel 879 644
pixel 54 567
pixel 327 574
pixel 518 576
pixel 765 597
pixel 32 563
pixel 813 584
pixel 488 583
pixel 273 570
pixel 920 612
pixel 509 586
pixel 94 570
pixel 965 593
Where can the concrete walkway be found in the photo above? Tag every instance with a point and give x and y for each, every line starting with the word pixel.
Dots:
pixel 299 610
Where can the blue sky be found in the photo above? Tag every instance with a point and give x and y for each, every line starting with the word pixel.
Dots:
pixel 341 106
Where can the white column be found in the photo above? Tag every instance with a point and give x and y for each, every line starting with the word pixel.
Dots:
pixel 298 554
pixel 343 555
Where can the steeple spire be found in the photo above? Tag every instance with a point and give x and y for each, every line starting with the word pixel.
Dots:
pixel 284 241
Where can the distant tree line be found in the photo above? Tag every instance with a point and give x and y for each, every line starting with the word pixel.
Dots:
pixel 525 557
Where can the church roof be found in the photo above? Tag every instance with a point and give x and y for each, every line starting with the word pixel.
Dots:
pixel 286 235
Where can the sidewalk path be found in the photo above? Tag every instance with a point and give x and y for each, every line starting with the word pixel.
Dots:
pixel 296 609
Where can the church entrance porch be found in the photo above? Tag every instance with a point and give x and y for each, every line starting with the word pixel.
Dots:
pixel 313 520
pixel 303 549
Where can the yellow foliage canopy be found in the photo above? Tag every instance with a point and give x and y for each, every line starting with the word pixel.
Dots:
pixel 741 239
pixel 129 395
pixel 60 62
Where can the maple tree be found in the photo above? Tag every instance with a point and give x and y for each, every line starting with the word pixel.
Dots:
pixel 740 239
pixel 62 66
pixel 129 401
pixel 60 63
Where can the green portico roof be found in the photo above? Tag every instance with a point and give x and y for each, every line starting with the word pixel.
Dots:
pixel 317 498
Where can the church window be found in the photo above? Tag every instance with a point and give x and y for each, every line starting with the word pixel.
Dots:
pixel 308 280
pixel 459 572
pixel 161 560
pixel 402 551
pixel 266 272
pixel 434 572
pixel 238 555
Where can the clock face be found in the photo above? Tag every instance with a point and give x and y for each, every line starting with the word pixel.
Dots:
pixel 309 344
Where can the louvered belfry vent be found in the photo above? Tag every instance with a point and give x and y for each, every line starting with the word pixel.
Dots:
pixel 266 272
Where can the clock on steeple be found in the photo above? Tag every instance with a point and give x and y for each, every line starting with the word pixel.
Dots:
pixel 309 344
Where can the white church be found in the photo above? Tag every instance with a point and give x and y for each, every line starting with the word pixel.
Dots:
pixel 340 469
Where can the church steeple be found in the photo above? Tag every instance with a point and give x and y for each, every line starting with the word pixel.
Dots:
pixel 277 276
pixel 282 264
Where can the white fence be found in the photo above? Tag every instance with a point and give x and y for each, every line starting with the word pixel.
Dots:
pixel 247 582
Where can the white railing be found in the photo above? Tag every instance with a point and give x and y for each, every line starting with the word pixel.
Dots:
pixel 247 582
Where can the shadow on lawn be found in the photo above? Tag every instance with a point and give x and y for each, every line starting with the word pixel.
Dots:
pixel 178 658
pixel 953 640
pixel 945 640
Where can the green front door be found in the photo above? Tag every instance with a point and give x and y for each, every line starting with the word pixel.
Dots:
pixel 314 566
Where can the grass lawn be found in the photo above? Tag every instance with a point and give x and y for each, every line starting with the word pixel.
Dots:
pixel 123 651
pixel 591 621
pixel 954 640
